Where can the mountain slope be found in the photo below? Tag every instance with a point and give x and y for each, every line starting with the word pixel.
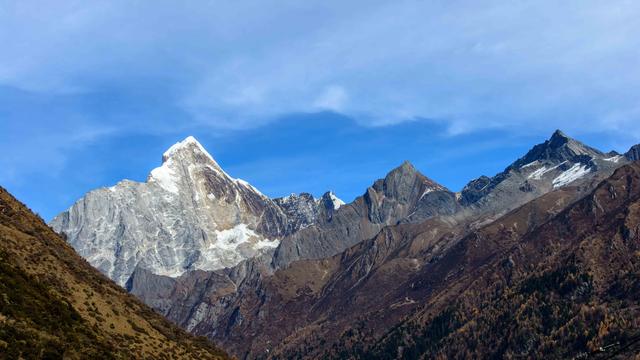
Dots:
pixel 566 288
pixel 317 294
pixel 555 278
pixel 54 305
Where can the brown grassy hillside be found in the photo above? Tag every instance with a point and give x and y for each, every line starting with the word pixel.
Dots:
pixel 54 305
pixel 566 289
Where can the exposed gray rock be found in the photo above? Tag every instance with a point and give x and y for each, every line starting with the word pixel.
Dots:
pixel 303 210
pixel 404 195
pixel 145 282
pixel 557 162
pixel 634 153
pixel 189 214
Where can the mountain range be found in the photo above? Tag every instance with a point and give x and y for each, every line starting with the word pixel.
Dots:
pixel 546 252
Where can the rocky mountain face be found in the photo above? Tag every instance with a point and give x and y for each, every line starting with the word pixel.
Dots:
pixel 304 210
pixel 344 277
pixel 189 214
pixel 634 153
pixel 558 161
pixel 54 305
pixel 403 195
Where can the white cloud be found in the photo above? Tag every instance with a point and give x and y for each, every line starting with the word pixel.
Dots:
pixel 45 152
pixel 523 65
pixel 332 98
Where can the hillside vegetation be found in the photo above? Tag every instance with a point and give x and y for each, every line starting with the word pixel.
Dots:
pixel 54 305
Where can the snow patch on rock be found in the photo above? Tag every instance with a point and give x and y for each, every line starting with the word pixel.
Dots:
pixel 539 173
pixel 614 159
pixel 165 177
pixel 533 163
pixel 428 190
pixel 572 174
pixel 337 203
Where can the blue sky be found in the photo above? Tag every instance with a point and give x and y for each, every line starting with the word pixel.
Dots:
pixel 305 96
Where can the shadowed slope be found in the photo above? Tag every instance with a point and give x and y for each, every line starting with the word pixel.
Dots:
pixel 567 287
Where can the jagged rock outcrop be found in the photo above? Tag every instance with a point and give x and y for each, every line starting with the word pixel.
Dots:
pixel 304 210
pixel 404 195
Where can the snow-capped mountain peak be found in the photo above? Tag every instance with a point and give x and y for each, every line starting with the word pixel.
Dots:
pixel 179 163
pixel 189 214
pixel 189 144
pixel 188 161
pixel 190 152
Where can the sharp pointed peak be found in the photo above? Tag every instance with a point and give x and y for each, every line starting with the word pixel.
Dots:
pixel 406 170
pixel 559 147
pixel 405 167
pixel 185 143
pixel 330 194
pixel 407 163
pixel 188 144
pixel 186 153
pixel 559 134
pixel 559 138
pixel 331 200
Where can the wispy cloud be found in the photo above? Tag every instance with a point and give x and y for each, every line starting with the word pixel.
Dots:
pixel 162 66
pixel 496 63
pixel 332 98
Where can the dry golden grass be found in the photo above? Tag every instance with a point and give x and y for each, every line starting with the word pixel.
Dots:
pixel 53 304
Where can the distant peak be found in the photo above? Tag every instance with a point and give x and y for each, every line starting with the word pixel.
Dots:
pixel 404 174
pixel 559 147
pixel 331 200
